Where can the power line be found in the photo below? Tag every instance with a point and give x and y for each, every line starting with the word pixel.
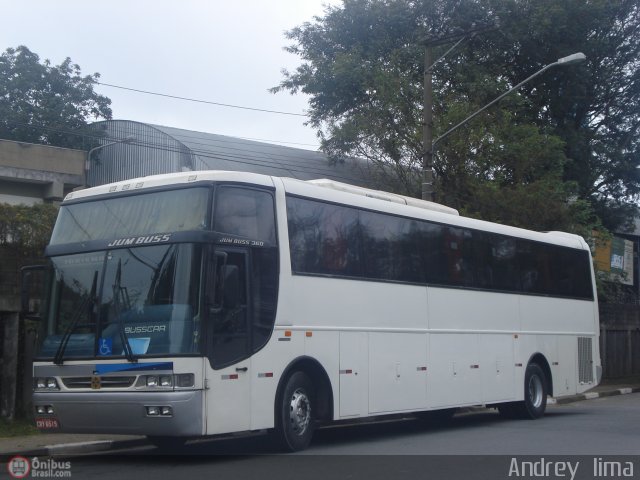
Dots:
pixel 201 101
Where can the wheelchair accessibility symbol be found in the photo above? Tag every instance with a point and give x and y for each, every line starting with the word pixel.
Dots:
pixel 105 346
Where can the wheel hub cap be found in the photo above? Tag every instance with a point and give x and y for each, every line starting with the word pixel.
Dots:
pixel 299 411
pixel 535 391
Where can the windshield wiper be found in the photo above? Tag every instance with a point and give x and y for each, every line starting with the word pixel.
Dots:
pixel 117 292
pixel 86 303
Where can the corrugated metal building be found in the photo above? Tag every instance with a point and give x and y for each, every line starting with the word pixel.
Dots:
pixel 151 149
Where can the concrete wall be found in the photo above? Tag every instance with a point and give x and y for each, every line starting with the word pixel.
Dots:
pixel 29 174
pixel 32 173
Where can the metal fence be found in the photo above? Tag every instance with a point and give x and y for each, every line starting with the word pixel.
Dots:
pixel 620 340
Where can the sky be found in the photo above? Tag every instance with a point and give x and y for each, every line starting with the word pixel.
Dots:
pixel 225 51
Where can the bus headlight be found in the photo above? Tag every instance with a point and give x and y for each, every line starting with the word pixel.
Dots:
pixel 166 382
pixel 163 411
pixel 46 383
pixel 163 381
pixel 44 410
pixel 153 411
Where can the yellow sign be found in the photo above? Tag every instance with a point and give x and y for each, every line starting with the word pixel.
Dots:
pixel 615 258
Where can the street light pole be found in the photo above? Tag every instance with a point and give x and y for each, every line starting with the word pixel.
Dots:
pixel 430 144
pixel 87 165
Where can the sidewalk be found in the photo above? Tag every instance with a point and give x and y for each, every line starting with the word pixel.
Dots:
pixel 44 444
pixel 608 388
pixel 68 443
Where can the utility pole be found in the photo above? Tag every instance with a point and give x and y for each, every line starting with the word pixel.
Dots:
pixel 428 191
pixel 427 128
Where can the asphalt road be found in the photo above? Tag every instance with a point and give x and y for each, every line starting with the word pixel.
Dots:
pixel 472 445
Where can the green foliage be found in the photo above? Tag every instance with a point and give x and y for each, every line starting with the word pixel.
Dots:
pixel 27 229
pixel 17 428
pixel 35 96
pixel 558 154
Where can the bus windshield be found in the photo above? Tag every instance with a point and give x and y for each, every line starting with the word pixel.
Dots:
pixel 142 214
pixel 132 301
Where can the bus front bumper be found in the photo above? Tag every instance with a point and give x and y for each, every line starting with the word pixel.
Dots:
pixel 129 413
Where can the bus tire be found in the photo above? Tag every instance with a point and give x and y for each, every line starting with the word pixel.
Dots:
pixel 535 394
pixel 295 419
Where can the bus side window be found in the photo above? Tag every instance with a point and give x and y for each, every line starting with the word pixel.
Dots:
pixel 246 213
pixel 229 329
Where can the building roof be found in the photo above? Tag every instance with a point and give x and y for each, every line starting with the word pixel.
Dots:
pixel 221 152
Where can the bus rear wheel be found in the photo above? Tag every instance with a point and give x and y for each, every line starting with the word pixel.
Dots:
pixel 295 419
pixel 535 394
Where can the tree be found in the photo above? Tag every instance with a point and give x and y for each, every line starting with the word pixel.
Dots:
pixel 26 230
pixel 40 102
pixel 560 150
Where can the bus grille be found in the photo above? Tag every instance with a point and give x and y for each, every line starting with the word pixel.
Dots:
pixel 585 360
pixel 105 382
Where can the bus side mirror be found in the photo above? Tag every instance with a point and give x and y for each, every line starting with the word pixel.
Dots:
pixel 31 291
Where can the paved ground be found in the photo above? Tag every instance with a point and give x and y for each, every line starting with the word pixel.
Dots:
pixel 56 444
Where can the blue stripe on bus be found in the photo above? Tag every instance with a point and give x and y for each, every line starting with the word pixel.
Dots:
pixel 129 367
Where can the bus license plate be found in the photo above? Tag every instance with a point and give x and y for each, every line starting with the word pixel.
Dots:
pixel 47 423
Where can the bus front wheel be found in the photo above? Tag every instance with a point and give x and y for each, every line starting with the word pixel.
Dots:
pixel 296 417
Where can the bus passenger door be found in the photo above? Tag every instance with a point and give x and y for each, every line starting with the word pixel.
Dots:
pixel 229 343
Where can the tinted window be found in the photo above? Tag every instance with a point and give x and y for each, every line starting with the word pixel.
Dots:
pixel 245 213
pixel 230 335
pixel 144 214
pixel 429 241
pixel 494 262
pixel 344 241
pixel 323 238
pixel 264 294
pixel 553 270
pixel 389 249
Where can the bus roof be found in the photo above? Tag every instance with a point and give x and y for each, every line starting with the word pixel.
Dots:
pixel 331 191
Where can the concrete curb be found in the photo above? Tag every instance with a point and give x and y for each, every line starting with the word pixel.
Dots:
pixel 102 445
pixel 592 395
pixel 78 448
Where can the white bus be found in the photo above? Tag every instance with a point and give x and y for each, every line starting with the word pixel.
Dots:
pixel 203 303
